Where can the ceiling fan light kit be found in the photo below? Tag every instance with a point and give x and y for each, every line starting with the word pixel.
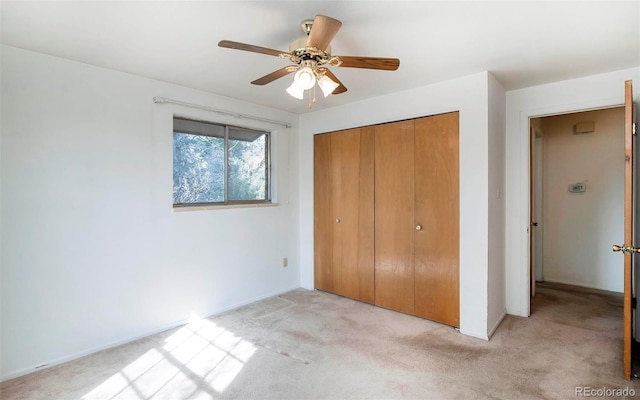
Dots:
pixel 327 85
pixel 311 56
pixel 296 91
pixel 305 78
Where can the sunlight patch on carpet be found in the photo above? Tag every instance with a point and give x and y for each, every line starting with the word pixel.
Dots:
pixel 200 359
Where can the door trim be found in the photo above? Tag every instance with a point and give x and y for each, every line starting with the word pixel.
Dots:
pixel 523 246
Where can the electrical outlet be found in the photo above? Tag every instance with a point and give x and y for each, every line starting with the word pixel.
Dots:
pixel 285 262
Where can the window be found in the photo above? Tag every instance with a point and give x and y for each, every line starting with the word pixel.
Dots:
pixel 218 164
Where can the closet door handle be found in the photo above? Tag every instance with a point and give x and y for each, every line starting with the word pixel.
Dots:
pixel 338 220
pixel 418 227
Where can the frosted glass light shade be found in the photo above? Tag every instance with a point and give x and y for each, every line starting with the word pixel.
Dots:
pixel 305 78
pixel 327 85
pixel 296 91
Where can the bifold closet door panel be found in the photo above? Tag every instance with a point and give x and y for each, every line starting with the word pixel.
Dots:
pixel 366 217
pixel 353 176
pixel 344 213
pixel 394 219
pixel 342 146
pixel 352 164
pixel 326 276
pixel 437 248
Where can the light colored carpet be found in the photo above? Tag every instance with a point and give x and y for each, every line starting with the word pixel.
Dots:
pixel 314 345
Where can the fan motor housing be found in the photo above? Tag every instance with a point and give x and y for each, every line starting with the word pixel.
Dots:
pixel 301 44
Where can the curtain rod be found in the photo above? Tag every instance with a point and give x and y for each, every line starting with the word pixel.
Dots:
pixel 159 100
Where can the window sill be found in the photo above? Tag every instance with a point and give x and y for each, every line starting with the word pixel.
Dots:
pixel 204 207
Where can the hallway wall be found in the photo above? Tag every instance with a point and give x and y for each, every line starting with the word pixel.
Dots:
pixel 579 227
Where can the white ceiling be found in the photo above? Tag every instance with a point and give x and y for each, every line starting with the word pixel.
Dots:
pixel 521 43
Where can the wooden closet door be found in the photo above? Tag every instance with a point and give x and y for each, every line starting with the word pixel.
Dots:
pixel 325 272
pixel 352 164
pixel 394 220
pixel 366 217
pixel 344 214
pixel 437 248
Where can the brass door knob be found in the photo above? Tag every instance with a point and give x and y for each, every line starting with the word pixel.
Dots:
pixel 627 250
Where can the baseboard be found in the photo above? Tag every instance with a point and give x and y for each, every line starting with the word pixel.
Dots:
pixel 477 335
pixel 517 313
pixel 578 284
pixel 497 324
pixel 131 338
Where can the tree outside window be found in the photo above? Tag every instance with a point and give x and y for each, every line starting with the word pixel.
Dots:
pixel 219 164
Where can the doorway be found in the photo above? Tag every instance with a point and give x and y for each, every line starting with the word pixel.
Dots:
pixel 577 198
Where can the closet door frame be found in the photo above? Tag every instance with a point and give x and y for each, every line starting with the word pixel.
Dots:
pixel 386 214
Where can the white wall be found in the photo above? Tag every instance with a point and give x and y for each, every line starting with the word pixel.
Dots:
pixel 92 253
pixel 469 95
pixel 586 93
pixel 581 227
pixel 496 203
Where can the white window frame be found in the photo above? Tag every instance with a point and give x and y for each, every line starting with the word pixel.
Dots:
pixel 227 201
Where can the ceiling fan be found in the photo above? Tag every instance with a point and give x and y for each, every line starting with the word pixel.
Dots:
pixel 311 56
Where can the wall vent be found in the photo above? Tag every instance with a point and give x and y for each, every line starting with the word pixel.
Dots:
pixel 584 127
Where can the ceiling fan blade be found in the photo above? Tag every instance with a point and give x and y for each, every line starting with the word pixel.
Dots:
pixel 324 29
pixel 389 64
pixel 273 76
pixel 341 88
pixel 249 47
